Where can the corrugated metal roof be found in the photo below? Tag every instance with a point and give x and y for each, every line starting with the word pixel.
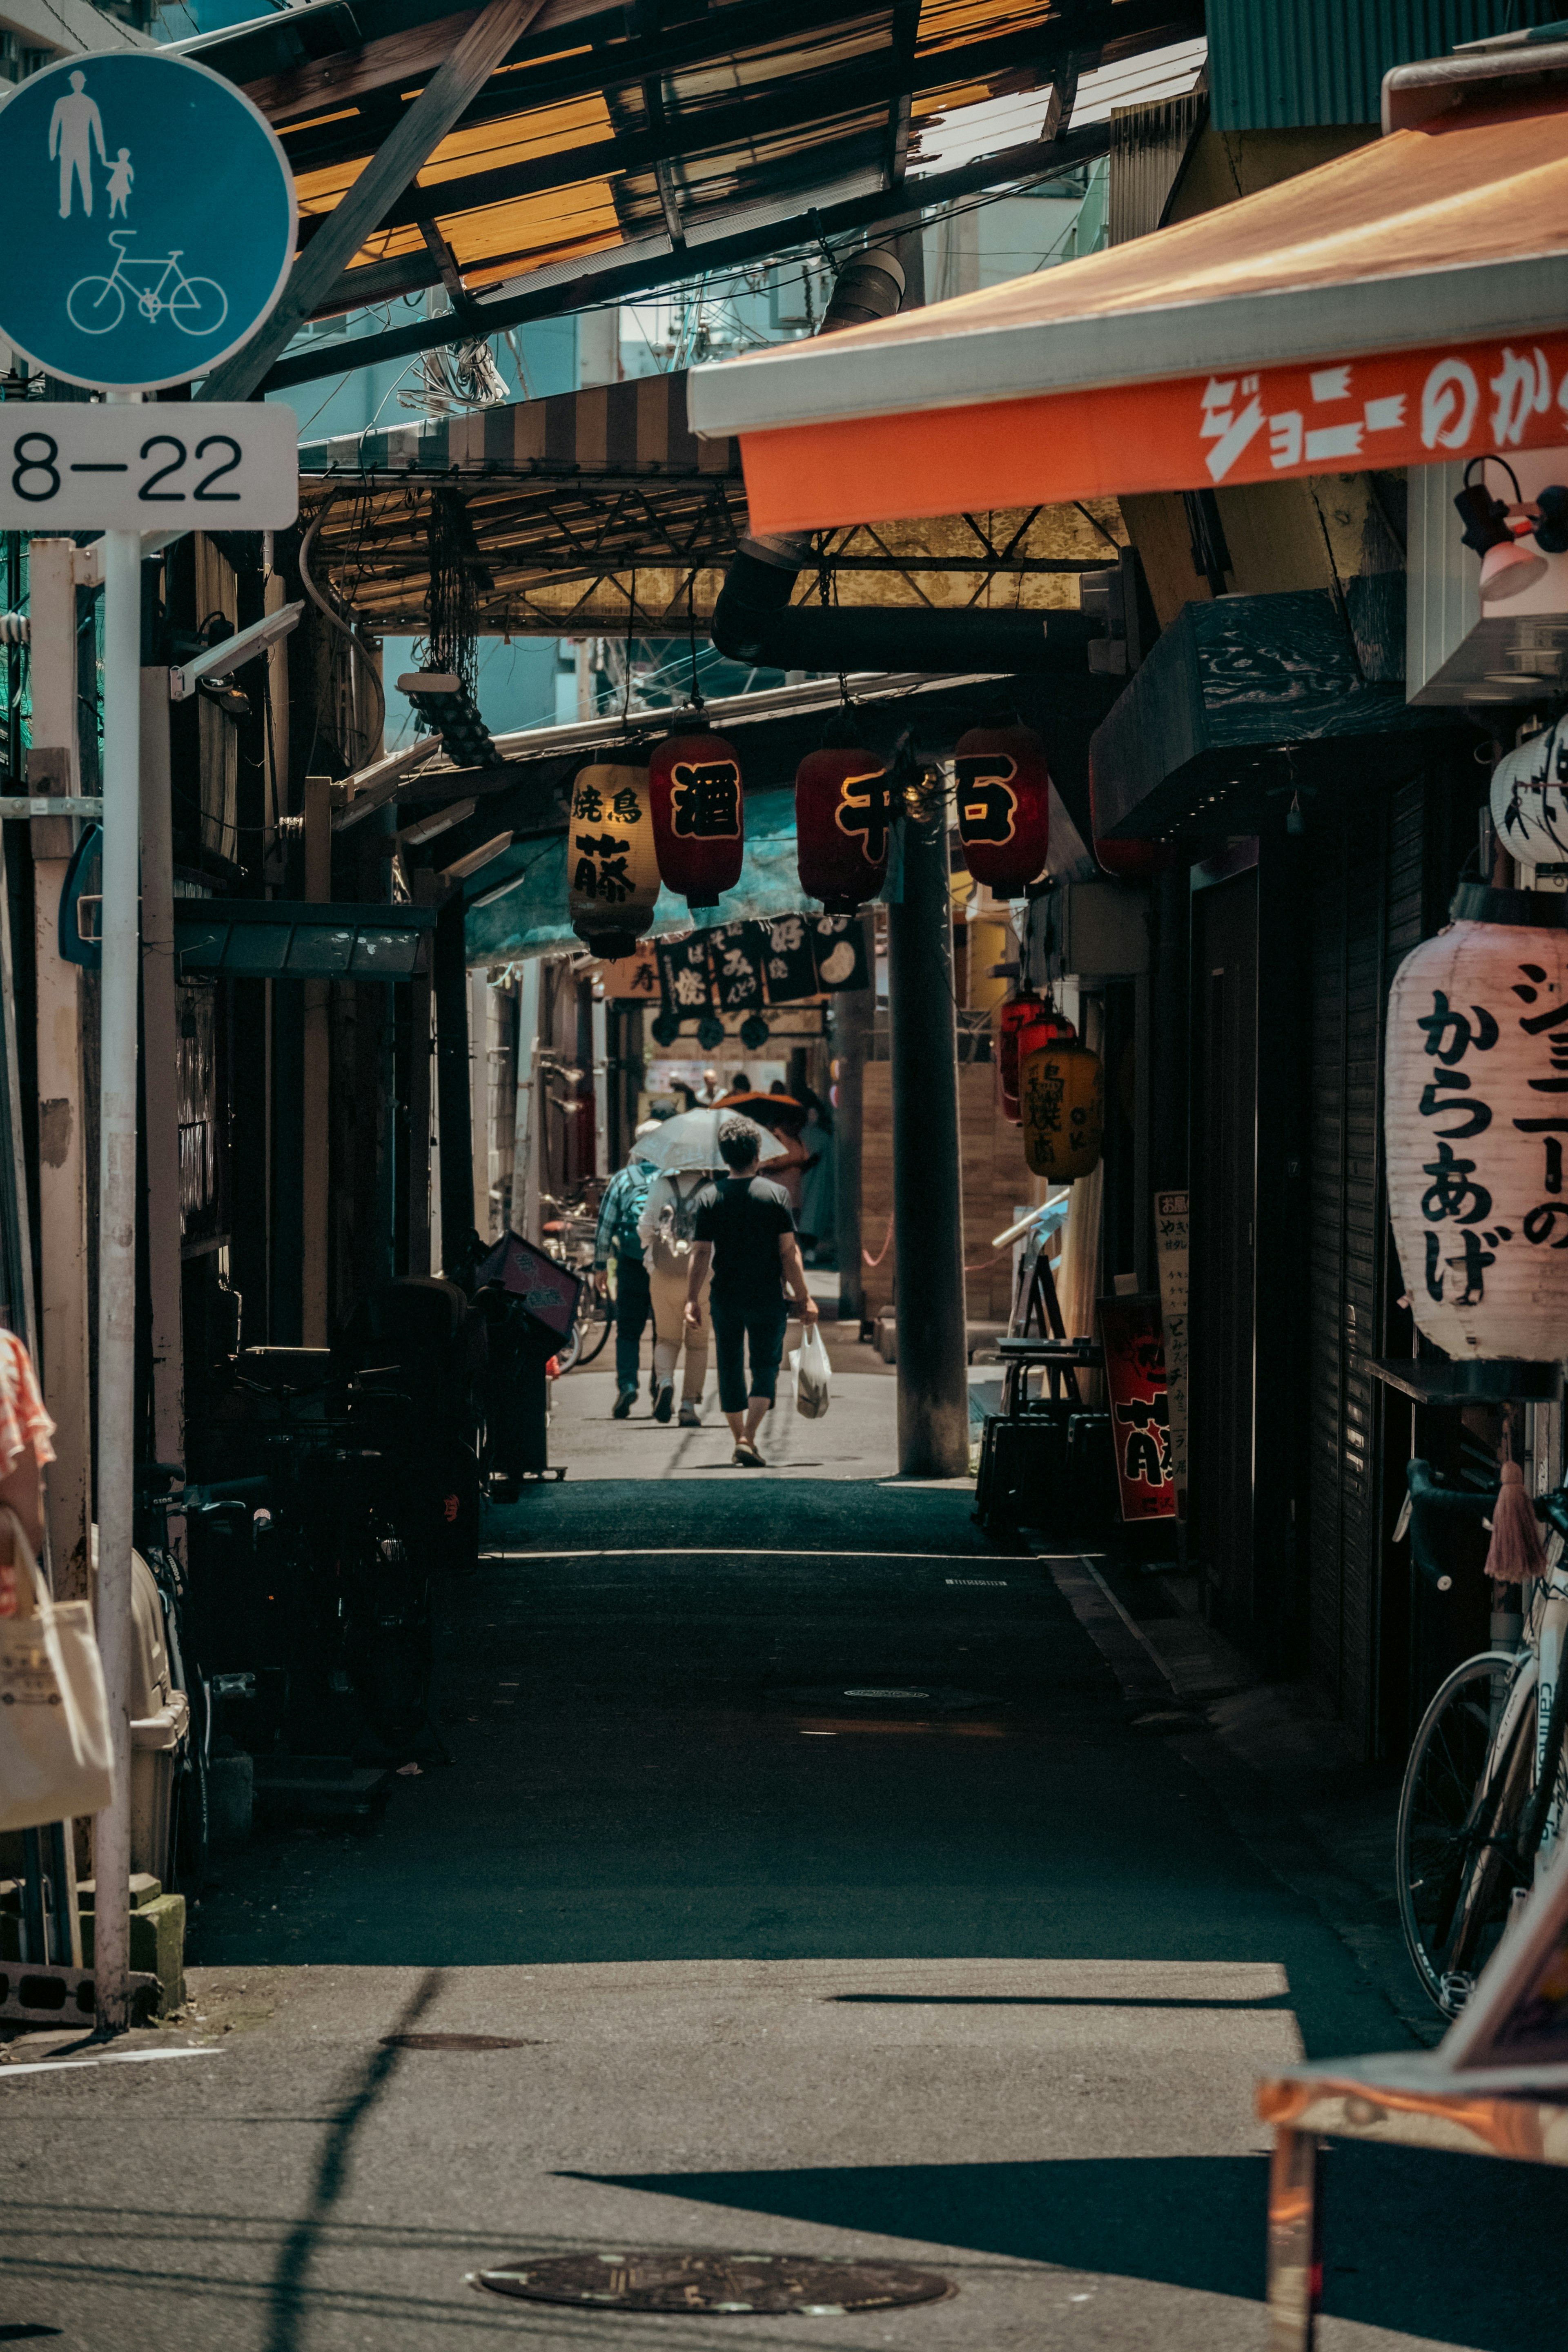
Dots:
pixel 1149 144
pixel 1279 65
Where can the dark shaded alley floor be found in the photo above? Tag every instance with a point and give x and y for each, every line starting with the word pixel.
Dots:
pixel 832 1897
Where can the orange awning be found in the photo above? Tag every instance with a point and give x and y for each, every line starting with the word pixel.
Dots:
pixel 1405 304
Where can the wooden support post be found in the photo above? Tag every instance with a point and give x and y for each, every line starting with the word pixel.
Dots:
pixel 853 1017
pixel 480 1091
pixel 316 1162
pixel 421 1051
pixel 524 1217
pixel 451 982
pixel 52 766
pixel 160 1075
pixel 600 1080
pixel 1295 2257
pixel 928 1205
pixel 416 133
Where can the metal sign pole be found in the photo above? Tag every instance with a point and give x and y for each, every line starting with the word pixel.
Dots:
pixel 121 925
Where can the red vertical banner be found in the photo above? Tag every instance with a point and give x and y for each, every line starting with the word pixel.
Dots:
pixel 1135 1386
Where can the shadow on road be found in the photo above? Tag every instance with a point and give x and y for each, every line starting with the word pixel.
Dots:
pixel 286 2295
pixel 1414 2241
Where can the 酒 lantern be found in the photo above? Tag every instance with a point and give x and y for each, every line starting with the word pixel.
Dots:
pixel 844 810
pixel 694 784
pixel 1002 791
pixel 1011 1020
pixel 1530 800
pixel 1475 1130
pixel 1061 1095
pixel 612 871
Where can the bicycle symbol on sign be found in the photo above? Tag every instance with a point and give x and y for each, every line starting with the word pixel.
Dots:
pixel 95 306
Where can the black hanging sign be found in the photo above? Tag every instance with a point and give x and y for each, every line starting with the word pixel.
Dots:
pixel 841 944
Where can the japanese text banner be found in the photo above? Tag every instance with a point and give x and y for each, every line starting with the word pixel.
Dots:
pixel 1392 408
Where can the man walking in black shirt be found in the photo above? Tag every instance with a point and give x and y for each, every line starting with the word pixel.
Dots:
pixel 745 1231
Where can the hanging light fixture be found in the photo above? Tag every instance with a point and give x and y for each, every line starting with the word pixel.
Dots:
pixel 1475 1126
pixel 1507 567
pixel 1061 1095
pixel 612 871
pixel 844 810
pixel 1002 793
pixel 694 782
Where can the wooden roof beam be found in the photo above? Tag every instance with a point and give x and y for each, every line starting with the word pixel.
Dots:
pixel 610 276
pixel 418 132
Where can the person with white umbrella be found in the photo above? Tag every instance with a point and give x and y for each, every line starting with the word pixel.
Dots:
pixel 745 1236
pixel 666 1230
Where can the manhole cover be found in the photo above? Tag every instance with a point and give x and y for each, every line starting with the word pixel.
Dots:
pixel 454 2041
pixel 737 2282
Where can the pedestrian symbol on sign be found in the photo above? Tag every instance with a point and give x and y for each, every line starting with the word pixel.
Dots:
pixel 76 127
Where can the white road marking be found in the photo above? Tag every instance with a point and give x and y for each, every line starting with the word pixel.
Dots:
pixel 109 2058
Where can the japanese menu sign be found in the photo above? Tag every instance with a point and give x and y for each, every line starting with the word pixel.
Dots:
pixel 1139 1406
pixel 1170 1230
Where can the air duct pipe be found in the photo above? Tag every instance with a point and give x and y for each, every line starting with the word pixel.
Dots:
pixel 754 622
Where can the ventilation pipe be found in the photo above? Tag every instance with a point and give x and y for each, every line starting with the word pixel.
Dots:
pixel 754 622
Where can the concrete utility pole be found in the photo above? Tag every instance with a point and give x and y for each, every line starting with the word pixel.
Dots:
pixel 928 1203
pixel 54 766
pixel 853 1018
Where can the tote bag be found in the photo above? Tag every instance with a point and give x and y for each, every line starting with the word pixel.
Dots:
pixel 55 1757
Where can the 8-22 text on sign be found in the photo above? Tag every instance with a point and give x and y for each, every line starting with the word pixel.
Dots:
pixel 140 466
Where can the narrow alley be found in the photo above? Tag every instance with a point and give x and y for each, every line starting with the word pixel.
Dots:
pixel 817 1887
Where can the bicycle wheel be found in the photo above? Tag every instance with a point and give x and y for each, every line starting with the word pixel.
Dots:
pixel 190 1829
pixel 198 306
pixel 1459 1815
pixel 605 1318
pixel 95 306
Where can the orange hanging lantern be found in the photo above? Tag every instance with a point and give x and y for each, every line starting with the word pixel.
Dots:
pixel 699 825
pixel 612 872
pixel 1011 1018
pixel 1003 792
pixel 1061 1095
pixel 844 809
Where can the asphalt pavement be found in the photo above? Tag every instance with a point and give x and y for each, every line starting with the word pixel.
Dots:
pixel 831 1893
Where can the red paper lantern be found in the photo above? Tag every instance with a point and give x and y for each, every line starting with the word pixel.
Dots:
pixel 1003 795
pixel 843 807
pixel 1011 1017
pixel 699 824
pixel 1134 861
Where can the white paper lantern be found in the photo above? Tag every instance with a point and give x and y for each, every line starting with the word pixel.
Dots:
pixel 1530 800
pixel 1475 1133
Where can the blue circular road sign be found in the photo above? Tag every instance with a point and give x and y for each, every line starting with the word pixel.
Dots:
pixel 150 220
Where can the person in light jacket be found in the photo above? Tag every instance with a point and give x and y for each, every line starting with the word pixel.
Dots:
pixel 665 1229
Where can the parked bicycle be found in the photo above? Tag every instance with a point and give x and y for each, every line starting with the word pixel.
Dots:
pixel 1484 1788
pixel 189 1821
pixel 570 1227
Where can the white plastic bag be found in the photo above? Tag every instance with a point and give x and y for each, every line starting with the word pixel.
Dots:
pixel 812 1376
pixel 56 1761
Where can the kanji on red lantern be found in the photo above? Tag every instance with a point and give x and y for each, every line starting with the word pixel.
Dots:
pixel 699 824
pixel 1002 791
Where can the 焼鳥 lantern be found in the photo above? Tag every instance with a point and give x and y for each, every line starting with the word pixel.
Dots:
pixel 844 808
pixel 612 871
pixel 1530 800
pixel 1475 1130
pixel 1011 1019
pixel 1003 792
pixel 1061 1095
pixel 698 827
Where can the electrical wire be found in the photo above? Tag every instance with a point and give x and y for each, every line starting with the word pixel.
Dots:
pixel 338 623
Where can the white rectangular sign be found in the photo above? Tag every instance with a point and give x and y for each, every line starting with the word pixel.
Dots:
pixel 148 465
